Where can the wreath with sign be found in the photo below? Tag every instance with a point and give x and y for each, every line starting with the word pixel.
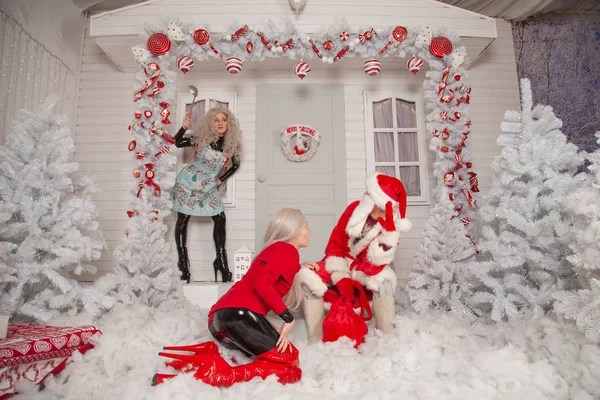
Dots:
pixel 306 142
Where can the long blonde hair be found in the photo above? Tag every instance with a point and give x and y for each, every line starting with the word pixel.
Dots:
pixel 284 226
pixel 204 132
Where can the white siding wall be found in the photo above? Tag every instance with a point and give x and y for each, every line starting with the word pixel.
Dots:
pixel 105 110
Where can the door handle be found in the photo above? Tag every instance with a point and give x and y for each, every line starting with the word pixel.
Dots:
pixel 262 178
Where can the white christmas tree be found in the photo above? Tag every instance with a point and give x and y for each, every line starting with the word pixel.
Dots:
pixel 583 305
pixel 526 228
pixel 49 231
pixel 146 269
pixel 438 276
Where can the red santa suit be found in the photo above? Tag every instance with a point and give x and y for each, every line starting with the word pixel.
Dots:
pixel 361 252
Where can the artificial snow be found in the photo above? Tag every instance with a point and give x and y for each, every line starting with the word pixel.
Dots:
pixel 433 356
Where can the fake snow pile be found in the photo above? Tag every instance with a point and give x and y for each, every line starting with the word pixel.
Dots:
pixel 427 357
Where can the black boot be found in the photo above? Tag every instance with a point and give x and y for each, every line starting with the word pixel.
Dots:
pixel 220 264
pixel 183 262
pixel 219 237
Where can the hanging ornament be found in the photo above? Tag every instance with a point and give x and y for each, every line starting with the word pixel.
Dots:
pixel 153 70
pixel 147 113
pixel 473 181
pixel 165 113
pixel 249 47
pixel 344 36
pixel 137 114
pixel 185 64
pixel 201 36
pixel 132 145
pixel 328 45
pixel 140 54
pixel 137 174
pixel 301 69
pixel 158 44
pixel 341 53
pixel 372 67
pixel 163 150
pixel 140 154
pixel 175 32
pixel 264 40
pixel 448 177
pixel 239 33
pixel 445 134
pixel 233 65
pixel 399 34
pixel 414 64
pixel 440 46
pixel 168 138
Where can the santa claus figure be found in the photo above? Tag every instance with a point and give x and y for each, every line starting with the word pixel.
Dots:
pixel 356 267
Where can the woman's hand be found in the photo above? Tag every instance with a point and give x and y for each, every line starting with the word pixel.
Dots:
pixel 187 121
pixel 219 182
pixel 311 265
pixel 283 343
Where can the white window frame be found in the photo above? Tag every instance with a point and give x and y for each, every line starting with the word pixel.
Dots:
pixel 225 97
pixel 410 96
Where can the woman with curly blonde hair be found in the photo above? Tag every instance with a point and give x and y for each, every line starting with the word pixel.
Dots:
pixel 217 138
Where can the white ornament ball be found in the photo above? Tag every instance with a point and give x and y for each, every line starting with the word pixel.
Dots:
pixel 228 37
pixel 185 63
pixel 356 40
pixel 273 49
pixel 330 60
pixel 372 67
pixel 301 69
pixel 251 27
pixel 414 64
pixel 233 65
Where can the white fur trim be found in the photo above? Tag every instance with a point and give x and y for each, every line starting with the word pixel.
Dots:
pixel 312 281
pixel 379 256
pixel 364 241
pixel 403 225
pixel 336 264
pixel 359 216
pixel 378 195
pixel 374 282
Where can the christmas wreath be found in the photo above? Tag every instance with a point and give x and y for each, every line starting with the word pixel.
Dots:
pixel 305 145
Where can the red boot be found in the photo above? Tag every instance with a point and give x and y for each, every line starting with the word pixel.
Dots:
pixel 285 366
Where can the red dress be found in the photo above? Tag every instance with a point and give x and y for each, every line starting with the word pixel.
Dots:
pixel 269 278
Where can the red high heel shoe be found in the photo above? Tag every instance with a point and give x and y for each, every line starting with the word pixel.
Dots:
pixel 197 349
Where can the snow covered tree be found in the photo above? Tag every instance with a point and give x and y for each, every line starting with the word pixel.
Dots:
pixel 438 276
pixel 48 224
pixel 527 229
pixel 438 279
pixel 583 305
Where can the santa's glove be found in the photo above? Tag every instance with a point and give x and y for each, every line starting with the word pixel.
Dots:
pixel 346 288
pixel 388 223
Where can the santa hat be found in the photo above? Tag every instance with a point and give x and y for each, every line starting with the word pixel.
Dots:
pixel 381 189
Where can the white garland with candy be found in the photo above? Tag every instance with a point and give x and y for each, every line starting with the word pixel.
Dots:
pixel 173 43
pixel 306 142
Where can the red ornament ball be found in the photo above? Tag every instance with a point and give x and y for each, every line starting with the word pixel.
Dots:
pixel 233 65
pixel 201 36
pixel 158 44
pixel 399 34
pixel 372 67
pixel 440 46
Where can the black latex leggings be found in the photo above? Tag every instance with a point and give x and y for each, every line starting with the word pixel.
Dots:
pixel 219 233
pixel 242 329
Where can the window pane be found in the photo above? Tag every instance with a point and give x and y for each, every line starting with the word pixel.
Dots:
pixel 384 147
pixel 408 147
pixel 382 114
pixel 198 111
pixel 411 180
pixel 406 114
pixel 391 171
pixel 216 103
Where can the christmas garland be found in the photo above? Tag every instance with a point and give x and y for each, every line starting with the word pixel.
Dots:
pixel 446 95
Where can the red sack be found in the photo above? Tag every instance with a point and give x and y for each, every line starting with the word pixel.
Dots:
pixel 342 320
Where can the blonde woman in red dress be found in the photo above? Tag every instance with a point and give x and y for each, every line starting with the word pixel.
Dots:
pixel 238 320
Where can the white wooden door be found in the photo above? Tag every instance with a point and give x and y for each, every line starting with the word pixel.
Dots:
pixel 316 187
